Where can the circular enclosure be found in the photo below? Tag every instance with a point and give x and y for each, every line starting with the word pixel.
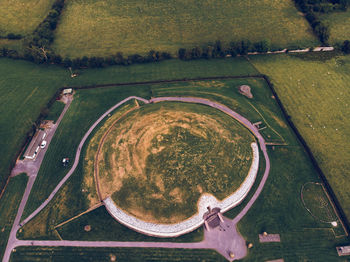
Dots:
pixel 157 160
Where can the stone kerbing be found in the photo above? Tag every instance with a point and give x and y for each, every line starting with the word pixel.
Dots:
pixel 173 230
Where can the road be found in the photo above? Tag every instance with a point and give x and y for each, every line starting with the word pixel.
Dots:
pixel 31 168
pixel 14 242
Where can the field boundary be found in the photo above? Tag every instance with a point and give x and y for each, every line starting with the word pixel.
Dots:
pixel 340 213
pixel 329 191
pixel 339 210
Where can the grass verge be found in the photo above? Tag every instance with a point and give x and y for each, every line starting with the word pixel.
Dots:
pixel 9 204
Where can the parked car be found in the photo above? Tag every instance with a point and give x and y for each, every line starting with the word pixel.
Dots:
pixel 43 144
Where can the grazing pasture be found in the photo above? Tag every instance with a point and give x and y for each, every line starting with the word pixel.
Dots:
pixel 101 28
pixel 339 25
pixel 22 16
pixel 314 88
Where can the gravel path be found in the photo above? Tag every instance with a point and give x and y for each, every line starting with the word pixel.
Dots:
pixel 14 242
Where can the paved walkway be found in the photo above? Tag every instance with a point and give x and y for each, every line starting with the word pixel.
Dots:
pixel 14 242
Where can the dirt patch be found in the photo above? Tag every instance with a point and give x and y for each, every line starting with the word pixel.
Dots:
pixel 245 90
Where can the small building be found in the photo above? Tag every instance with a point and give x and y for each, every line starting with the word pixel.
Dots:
pixel 343 251
pixel 67 91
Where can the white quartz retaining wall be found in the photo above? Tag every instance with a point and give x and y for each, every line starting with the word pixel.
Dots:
pixel 173 230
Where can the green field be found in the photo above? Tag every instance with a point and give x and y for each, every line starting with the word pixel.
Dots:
pixel 101 28
pixel 88 105
pixel 278 210
pixel 8 206
pixel 22 16
pixel 29 87
pixel 99 218
pixel 316 201
pixel 339 26
pixel 159 159
pixel 66 254
pixel 315 91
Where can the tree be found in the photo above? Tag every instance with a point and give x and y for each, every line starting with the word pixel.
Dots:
pixel 182 53
pixel 67 62
pixel 196 52
pixel 346 47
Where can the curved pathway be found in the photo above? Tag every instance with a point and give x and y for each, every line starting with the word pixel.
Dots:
pixel 14 242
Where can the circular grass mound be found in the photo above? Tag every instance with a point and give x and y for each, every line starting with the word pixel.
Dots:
pixel 156 161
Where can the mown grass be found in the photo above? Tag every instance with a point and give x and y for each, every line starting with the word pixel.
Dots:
pixel 24 90
pixel 315 91
pixel 196 157
pixel 55 111
pixel 29 87
pixel 22 16
pixel 99 218
pixel 316 201
pixel 8 206
pixel 278 210
pixel 121 254
pixel 85 109
pixel 101 28
pixel 338 24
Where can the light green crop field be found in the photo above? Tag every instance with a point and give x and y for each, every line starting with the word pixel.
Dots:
pixel 22 16
pixel 105 27
pixel 339 25
pixel 159 159
pixel 314 88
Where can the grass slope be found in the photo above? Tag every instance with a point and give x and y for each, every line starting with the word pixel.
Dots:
pixel 22 16
pixel 101 28
pixel 315 91
pixel 339 25
pixel 99 218
pixel 9 204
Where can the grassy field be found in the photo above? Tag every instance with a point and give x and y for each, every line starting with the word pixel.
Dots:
pixel 22 16
pixel 278 210
pixel 8 206
pixel 100 28
pixel 24 254
pixel 316 201
pixel 315 91
pixel 159 159
pixel 99 218
pixel 55 111
pixel 29 87
pixel 85 109
pixel 339 25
